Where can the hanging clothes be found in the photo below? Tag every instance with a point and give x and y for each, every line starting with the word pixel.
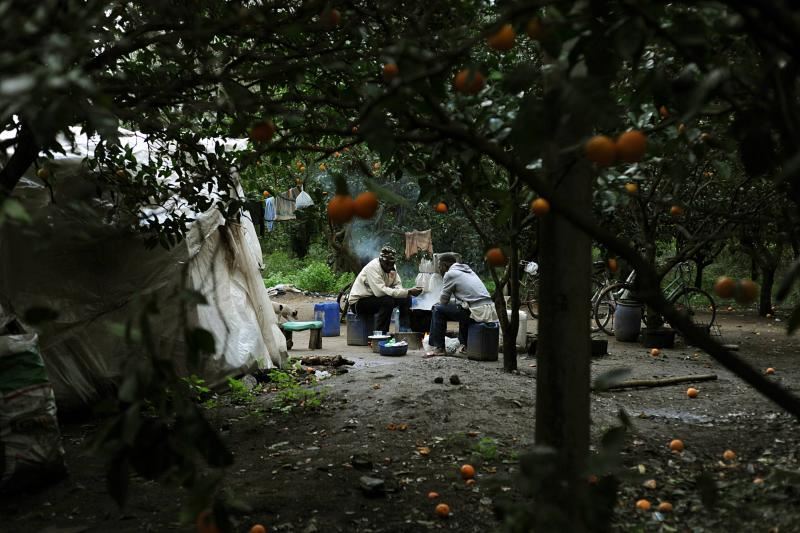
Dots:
pixel 418 241
pixel 285 206
pixel 269 212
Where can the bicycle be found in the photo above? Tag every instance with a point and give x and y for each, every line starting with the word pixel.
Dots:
pixel 529 291
pixel 688 299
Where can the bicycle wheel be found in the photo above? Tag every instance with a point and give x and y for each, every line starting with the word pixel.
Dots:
pixel 604 307
pixel 343 300
pixel 603 313
pixel 529 295
pixel 697 305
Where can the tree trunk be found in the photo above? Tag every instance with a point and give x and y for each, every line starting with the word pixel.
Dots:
pixel 510 335
pixel 698 275
pixel 25 153
pixel 563 355
pixel 765 296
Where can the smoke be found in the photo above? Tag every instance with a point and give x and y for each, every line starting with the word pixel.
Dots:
pixel 364 242
pixel 432 285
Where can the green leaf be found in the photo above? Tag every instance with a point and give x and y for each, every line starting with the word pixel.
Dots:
pixel 13 209
pixel 610 378
pixel 386 194
pixel 38 315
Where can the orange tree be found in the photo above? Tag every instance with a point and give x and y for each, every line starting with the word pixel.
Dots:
pixel 181 71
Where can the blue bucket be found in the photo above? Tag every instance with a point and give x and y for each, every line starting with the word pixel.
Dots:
pixel 328 314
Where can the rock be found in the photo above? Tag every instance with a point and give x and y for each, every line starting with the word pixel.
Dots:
pixel 372 486
pixel 439 379
pixel 361 463
pixel 454 380
pixel 249 382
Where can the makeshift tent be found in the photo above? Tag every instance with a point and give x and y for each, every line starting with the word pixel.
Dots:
pixel 95 271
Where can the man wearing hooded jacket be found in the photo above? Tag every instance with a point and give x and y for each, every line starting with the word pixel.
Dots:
pixel 476 305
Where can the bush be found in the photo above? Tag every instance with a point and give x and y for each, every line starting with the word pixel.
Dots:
pixel 344 279
pixel 278 262
pixel 316 277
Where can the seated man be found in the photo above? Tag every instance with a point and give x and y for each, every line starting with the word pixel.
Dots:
pixel 476 303
pixel 378 289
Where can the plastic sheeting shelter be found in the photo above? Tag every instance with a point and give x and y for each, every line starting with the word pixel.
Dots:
pixel 97 275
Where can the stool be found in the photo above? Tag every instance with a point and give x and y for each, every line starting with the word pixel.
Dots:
pixel 315 338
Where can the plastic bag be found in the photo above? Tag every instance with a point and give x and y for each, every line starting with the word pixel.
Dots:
pixel 30 441
pixel 303 200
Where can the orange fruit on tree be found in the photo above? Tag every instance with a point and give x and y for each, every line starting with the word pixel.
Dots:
pixel 729 455
pixel 470 482
pixel 769 371
pixel 432 495
pixel 601 150
pixel 655 352
pixel 331 18
pixel 205 523
pixel 262 132
pixel 691 392
pixel 467 471
pixel 631 146
pixel 365 204
pixel 503 39
pixel 441 207
pixel 540 207
pixel 43 173
pixel 469 81
pixel 535 29
pixel 390 71
pixel 663 111
pixel 496 257
pixel 376 165
pixel 632 188
pixel 676 211
pixel 258 528
pixel 643 505
pixel 664 507
pixel 725 287
pixel 341 209
pixel 266 194
pixel 746 291
pixel 613 266
pixel 676 445
pixel 443 510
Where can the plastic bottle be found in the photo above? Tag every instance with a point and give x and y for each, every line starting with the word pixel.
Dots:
pixel 395 327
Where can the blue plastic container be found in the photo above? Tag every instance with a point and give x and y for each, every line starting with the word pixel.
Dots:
pixel 628 320
pixel 483 341
pixel 392 350
pixel 328 314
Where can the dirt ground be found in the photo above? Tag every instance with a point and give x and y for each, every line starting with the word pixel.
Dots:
pixel 386 418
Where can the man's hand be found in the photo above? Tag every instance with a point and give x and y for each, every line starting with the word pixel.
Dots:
pixel 416 291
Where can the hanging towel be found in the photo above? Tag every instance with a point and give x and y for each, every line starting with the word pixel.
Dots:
pixel 269 212
pixel 418 241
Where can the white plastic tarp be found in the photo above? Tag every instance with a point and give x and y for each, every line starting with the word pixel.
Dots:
pixel 96 273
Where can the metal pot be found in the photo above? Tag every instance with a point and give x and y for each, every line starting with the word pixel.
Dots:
pixel 375 339
pixel 413 338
